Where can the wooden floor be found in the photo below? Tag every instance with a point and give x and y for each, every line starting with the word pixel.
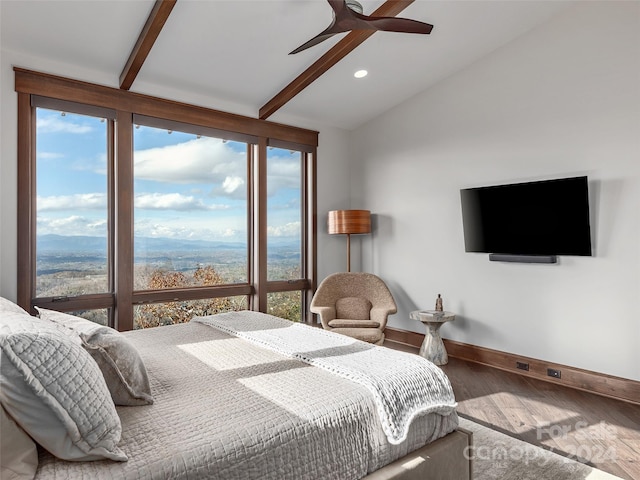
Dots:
pixel 595 430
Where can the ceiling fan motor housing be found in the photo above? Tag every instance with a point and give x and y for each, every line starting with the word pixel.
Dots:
pixel 355 6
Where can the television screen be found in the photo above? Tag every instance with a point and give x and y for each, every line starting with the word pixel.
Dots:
pixel 548 217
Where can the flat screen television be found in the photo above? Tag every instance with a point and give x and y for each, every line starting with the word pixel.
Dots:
pixel 544 218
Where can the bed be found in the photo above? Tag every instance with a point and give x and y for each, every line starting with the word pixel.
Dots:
pixel 226 407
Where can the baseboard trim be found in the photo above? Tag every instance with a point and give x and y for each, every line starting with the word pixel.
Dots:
pixel 586 380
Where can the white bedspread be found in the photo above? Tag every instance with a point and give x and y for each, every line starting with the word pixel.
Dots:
pixel 227 409
pixel 403 386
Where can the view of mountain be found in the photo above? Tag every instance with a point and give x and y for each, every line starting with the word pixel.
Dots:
pixel 84 244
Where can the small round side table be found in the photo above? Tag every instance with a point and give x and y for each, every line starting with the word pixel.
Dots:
pixel 433 348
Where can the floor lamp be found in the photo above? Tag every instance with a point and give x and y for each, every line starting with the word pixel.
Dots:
pixel 349 222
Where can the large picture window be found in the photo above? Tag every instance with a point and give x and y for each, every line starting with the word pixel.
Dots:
pixel 138 212
pixel 190 209
pixel 72 214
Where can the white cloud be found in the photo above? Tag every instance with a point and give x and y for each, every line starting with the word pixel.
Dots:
pixel 231 184
pixel 195 161
pixel 72 225
pixel 79 201
pixel 173 201
pixel 147 201
pixel 224 229
pixel 209 160
pixel 58 124
pixel 193 229
pixel 291 229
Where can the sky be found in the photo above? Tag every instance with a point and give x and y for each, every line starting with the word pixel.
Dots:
pixel 185 187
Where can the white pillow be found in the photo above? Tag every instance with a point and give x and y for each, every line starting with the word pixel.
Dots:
pixel 18 452
pixel 120 363
pixel 12 321
pixel 77 324
pixel 55 391
pixel 9 306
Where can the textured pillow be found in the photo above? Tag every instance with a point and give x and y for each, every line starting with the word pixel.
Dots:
pixel 355 308
pixel 54 390
pixel 119 361
pixel 18 452
pixel 78 325
pixel 12 321
pixel 121 366
pixel 9 306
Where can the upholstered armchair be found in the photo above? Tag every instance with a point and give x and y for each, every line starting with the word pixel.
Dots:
pixel 354 304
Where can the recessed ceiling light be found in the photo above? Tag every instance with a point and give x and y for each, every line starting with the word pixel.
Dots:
pixel 360 73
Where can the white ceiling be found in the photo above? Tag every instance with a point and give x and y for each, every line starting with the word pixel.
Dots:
pixel 237 51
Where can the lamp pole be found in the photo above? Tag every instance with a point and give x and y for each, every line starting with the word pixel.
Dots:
pixel 348 252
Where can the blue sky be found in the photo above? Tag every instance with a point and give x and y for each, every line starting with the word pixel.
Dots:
pixel 185 187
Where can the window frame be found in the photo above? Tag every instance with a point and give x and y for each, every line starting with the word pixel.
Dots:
pixel 80 302
pixel 124 106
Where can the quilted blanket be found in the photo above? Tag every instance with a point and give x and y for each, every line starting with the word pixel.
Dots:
pixel 228 409
pixel 403 386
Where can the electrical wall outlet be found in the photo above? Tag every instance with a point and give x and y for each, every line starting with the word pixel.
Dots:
pixel 553 373
pixel 522 365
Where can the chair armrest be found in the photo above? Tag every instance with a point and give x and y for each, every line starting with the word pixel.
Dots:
pixel 380 314
pixel 326 315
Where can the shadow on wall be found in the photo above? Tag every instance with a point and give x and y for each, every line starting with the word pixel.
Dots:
pixel 602 192
pixel 466 327
pixel 380 225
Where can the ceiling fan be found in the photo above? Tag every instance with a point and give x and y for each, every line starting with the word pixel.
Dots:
pixel 347 15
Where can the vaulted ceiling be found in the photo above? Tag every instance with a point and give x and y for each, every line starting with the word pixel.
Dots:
pixel 236 52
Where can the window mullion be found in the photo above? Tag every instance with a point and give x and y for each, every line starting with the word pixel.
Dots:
pixel 260 227
pixel 26 201
pixel 124 221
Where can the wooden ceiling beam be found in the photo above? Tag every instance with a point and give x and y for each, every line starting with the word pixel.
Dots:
pixel 390 8
pixel 157 18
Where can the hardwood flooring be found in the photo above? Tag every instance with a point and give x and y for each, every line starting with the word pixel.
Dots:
pixel 598 431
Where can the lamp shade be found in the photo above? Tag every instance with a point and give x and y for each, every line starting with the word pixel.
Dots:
pixel 349 221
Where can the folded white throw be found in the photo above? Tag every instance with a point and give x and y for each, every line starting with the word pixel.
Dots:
pixel 403 385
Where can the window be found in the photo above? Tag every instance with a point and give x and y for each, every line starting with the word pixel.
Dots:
pixel 72 215
pixel 190 209
pixel 284 214
pixel 286 239
pixel 138 211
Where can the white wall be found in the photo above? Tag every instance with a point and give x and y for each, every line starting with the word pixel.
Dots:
pixel 333 160
pixel 562 100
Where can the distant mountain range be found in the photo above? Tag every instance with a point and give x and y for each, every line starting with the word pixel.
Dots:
pixel 80 244
pixel 87 244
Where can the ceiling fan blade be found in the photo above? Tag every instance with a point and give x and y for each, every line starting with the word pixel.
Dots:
pixel 346 19
pixel 342 22
pixel 314 41
pixel 330 31
pixel 403 25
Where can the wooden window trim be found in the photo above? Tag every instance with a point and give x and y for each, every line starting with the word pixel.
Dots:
pixel 52 86
pixel 48 91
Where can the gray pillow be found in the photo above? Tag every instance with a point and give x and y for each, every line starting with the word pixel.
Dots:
pixel 53 389
pixel 120 363
pixel 122 367
pixel 354 308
